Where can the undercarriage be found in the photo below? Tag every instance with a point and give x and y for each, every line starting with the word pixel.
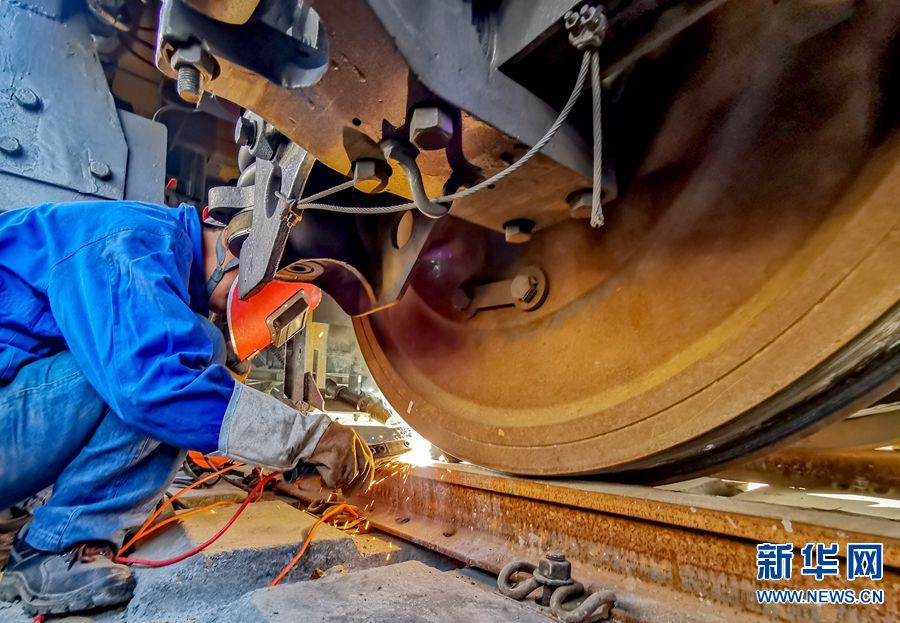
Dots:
pixel 642 239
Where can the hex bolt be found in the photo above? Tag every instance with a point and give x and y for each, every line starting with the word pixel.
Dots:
pixel 10 145
pixel 430 128
pixel 518 230
pixel 193 65
pixel 244 131
pixel 580 204
pixel 552 572
pixel 556 555
pixel 189 83
pixel 371 175
pixel 524 288
pixel 100 170
pixel 27 99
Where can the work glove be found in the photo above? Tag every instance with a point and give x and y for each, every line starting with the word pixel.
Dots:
pixel 261 430
pixel 343 460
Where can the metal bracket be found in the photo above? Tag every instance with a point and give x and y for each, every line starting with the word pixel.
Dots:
pixel 299 384
pixel 278 183
pixel 285 42
pixel 527 291
pixel 56 112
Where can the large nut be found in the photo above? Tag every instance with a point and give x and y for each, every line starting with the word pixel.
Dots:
pixel 554 570
pixel 430 128
pixel 265 140
pixel 194 56
pixel 580 203
pixel 371 175
pixel 518 230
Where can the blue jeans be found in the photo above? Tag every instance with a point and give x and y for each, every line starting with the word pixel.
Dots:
pixel 56 429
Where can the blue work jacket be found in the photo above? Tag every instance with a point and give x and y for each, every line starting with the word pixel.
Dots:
pixel 120 284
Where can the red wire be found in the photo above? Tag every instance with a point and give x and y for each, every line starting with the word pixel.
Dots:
pixel 171 561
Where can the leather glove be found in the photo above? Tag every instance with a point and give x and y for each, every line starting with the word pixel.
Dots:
pixel 343 460
pixel 261 430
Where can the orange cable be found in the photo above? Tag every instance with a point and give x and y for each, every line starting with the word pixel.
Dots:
pixel 330 513
pixel 171 561
pixel 168 502
pixel 174 518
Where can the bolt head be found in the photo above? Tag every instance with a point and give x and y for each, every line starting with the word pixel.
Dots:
pixel 191 55
pixel 100 170
pixel 244 132
pixel 580 204
pixel 27 99
pixel 430 128
pixel 10 145
pixel 518 230
pixel 371 175
pixel 555 569
pixel 523 288
pixel 461 300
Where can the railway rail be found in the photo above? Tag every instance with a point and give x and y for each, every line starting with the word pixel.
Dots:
pixel 667 555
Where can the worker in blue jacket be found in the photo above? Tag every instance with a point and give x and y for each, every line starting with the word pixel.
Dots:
pixel 109 369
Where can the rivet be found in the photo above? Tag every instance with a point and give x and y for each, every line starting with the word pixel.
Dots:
pixel 27 99
pixel 100 170
pixel 10 145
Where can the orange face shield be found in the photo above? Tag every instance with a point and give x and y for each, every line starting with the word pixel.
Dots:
pixel 270 317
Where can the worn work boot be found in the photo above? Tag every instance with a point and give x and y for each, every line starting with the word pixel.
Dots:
pixel 81 578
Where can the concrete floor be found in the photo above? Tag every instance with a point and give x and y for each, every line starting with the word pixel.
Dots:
pixel 371 578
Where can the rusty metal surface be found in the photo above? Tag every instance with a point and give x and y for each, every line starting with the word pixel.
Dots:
pixel 866 471
pixel 759 240
pixel 367 81
pixel 660 551
pixel 228 11
pixel 874 427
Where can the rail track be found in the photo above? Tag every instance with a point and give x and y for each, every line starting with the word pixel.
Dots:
pixel 667 555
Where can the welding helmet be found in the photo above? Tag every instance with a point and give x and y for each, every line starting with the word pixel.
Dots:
pixel 270 317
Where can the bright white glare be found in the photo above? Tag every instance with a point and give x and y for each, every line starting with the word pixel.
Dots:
pixel 420 450
pixel 753 486
pixel 875 502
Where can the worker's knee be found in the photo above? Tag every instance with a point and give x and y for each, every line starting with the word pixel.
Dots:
pixel 48 413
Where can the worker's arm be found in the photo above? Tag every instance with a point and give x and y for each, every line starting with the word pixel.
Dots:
pixel 123 308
